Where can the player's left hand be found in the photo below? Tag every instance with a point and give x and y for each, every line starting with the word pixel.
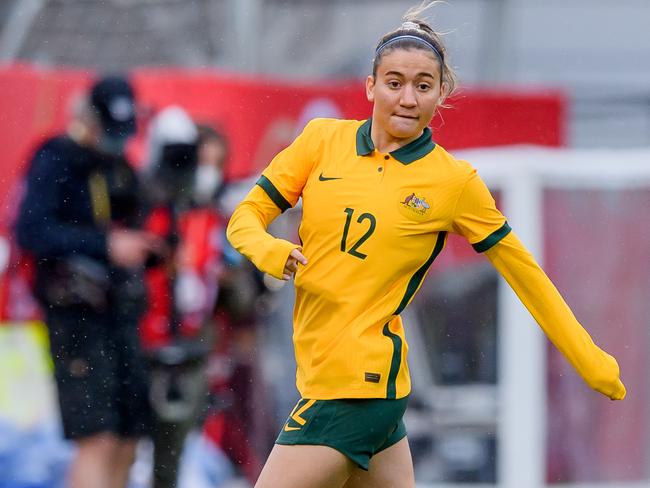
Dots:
pixel 618 392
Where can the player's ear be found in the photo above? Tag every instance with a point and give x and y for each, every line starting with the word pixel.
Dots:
pixel 444 91
pixel 370 88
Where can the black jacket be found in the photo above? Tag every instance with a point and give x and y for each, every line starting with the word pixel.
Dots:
pixel 58 221
pixel 56 215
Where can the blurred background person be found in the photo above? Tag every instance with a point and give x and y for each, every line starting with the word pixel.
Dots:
pixel 174 324
pixel 183 174
pixel 232 364
pixel 211 155
pixel 78 219
pixel 199 327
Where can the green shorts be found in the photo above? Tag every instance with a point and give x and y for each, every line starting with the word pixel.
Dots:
pixel 358 428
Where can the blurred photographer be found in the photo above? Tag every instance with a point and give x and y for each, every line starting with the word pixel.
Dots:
pixel 178 326
pixel 78 218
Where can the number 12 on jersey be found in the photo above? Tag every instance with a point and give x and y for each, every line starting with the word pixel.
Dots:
pixel 354 250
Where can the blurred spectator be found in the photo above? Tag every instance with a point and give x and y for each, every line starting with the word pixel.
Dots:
pixel 78 218
pixel 198 327
pixel 230 423
pixel 212 151
pixel 177 327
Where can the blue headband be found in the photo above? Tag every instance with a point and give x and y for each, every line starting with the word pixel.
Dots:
pixel 413 38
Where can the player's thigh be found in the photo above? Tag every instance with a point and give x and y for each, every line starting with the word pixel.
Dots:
pixel 305 466
pixel 390 468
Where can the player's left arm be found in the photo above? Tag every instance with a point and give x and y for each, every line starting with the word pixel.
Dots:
pixel 542 299
pixel 477 218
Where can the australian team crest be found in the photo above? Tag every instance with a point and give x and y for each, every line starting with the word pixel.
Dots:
pixel 417 204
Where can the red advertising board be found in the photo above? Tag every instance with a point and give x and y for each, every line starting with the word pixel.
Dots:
pixel 258 115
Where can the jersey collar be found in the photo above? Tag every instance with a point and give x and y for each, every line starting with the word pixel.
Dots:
pixel 413 151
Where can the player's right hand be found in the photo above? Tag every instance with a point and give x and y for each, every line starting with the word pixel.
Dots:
pixel 291 265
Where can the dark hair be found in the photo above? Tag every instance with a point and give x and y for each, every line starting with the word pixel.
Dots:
pixel 209 133
pixel 415 26
pixel 113 100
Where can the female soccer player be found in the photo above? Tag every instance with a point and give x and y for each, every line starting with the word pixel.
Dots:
pixel 379 198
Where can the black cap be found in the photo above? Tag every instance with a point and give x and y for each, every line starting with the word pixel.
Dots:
pixel 113 99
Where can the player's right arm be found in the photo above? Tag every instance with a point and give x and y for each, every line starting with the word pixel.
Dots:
pixel 277 190
pixel 247 233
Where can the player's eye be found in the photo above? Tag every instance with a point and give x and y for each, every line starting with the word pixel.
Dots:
pixel 424 86
pixel 394 84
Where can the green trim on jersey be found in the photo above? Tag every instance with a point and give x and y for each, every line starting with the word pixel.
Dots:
pixel 413 151
pixel 418 276
pixel 273 193
pixel 492 239
pixel 395 361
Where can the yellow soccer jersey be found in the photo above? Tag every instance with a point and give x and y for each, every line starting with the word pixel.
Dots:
pixel 372 226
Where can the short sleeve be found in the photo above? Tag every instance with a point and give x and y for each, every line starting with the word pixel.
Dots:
pixel 476 216
pixel 286 175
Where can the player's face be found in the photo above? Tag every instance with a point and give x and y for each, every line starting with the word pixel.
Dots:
pixel 405 93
